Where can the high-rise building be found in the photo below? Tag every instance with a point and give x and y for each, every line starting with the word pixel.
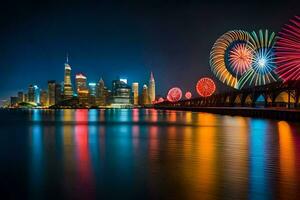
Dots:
pixel 145 95
pixel 68 90
pixel 51 92
pixel 101 93
pixel 58 93
pixel 82 90
pixel 14 101
pixel 80 82
pixel 92 93
pixel 26 97
pixel 37 97
pixel 151 88
pixel 44 98
pixel 135 90
pixel 120 94
pixel 30 94
pixel 21 97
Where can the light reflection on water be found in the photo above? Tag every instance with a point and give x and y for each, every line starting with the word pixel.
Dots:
pixel 149 154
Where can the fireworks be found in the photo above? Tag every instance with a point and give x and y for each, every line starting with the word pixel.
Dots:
pixel 241 59
pixel 230 56
pixel 174 94
pixel 263 65
pixel 188 95
pixel 288 51
pixel 205 87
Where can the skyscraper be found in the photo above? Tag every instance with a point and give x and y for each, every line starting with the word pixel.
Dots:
pixel 120 94
pixel 37 97
pixel 80 82
pixel 58 93
pixel 135 90
pixel 145 95
pixel 14 101
pixel 44 97
pixel 30 93
pixel 68 90
pixel 101 93
pixel 151 88
pixel 92 94
pixel 51 92
pixel 21 97
pixel 82 89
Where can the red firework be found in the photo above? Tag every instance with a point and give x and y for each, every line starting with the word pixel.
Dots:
pixel 188 95
pixel 287 51
pixel 205 87
pixel 174 94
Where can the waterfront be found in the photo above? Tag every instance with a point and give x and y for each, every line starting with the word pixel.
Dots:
pixel 147 154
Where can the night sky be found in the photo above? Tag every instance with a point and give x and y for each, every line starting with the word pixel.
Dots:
pixel 113 38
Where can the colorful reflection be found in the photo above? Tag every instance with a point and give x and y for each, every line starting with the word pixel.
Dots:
pixel 258 161
pixel 205 174
pixel 37 155
pixel 160 154
pixel 153 142
pixel 234 157
pixel 135 115
pixel 287 159
pixel 83 160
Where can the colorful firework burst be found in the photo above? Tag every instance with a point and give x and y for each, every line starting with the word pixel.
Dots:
pixel 188 95
pixel 288 51
pixel 240 58
pixel 174 94
pixel 263 66
pixel 205 87
pixel 229 44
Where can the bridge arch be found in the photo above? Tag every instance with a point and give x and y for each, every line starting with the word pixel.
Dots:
pixel 248 101
pixel 283 99
pixel 260 101
pixel 238 100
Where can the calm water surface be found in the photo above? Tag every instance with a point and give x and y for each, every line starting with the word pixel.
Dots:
pixel 146 154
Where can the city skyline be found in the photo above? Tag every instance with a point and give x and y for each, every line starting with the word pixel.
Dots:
pixel 111 39
pixel 70 77
pixel 75 91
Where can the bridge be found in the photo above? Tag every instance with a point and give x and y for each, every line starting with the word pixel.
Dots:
pixel 277 100
pixel 278 94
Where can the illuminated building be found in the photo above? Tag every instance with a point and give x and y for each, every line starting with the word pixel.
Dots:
pixel 80 82
pixel 92 93
pixel 68 90
pixel 51 92
pixel 25 97
pixel 14 101
pixel 44 98
pixel 123 80
pixel 30 94
pixel 58 93
pixel 21 97
pixel 151 88
pixel 92 89
pixel 135 90
pixel 82 90
pixel 101 92
pixel 145 95
pixel 36 94
pixel 120 94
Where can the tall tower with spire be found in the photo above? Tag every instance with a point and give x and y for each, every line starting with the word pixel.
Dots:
pixel 151 88
pixel 68 90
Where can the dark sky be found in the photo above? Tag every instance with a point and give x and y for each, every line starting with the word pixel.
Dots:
pixel 127 38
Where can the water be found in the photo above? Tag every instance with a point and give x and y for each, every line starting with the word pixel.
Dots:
pixel 146 154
